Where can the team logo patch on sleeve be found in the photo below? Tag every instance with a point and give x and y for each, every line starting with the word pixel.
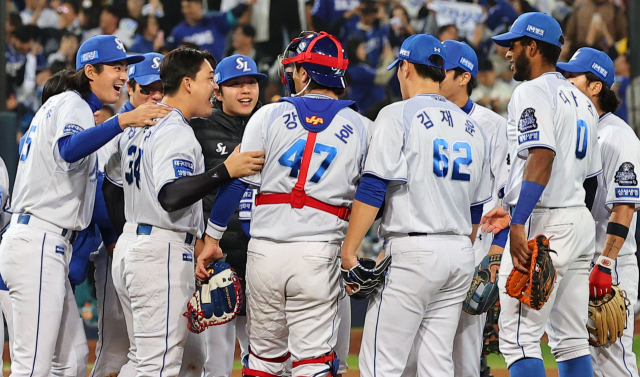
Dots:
pixel 72 129
pixel 625 176
pixel 528 121
pixel 182 168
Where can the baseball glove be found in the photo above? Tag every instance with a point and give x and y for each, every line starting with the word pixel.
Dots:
pixel 215 301
pixel 534 288
pixel 365 277
pixel 483 294
pixel 607 317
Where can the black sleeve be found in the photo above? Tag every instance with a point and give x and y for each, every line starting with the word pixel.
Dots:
pixel 185 191
pixel 590 187
pixel 114 199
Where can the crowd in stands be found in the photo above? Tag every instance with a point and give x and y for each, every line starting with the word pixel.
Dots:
pixel 43 37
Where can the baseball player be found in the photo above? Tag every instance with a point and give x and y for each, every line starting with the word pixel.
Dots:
pixel 315 148
pixel 112 347
pixel 164 181
pixel 616 201
pixel 237 78
pixel 53 199
pixel 423 141
pixel 552 136
pixel 461 64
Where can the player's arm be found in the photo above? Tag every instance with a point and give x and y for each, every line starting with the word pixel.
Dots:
pixel 187 190
pixel 537 171
pixel 77 142
pixel 114 201
pixel 367 203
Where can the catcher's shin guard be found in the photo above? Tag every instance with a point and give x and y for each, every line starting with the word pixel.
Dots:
pixel 330 360
pixel 247 372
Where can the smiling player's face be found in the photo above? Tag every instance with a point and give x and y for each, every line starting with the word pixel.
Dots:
pixel 202 91
pixel 107 84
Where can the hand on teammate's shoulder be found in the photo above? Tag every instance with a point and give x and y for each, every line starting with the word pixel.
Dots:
pixel 143 115
pixel 244 164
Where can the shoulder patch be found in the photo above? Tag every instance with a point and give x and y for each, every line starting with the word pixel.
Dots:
pixel 72 129
pixel 182 168
pixel 528 120
pixel 625 176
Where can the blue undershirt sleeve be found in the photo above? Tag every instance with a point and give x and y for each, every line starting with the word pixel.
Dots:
pixel 227 201
pixel 500 239
pixel 372 190
pixel 476 213
pixel 77 146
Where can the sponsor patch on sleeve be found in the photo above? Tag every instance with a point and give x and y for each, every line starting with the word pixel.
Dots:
pixel 530 136
pixel 528 120
pixel 182 168
pixel 72 129
pixel 626 176
pixel 627 192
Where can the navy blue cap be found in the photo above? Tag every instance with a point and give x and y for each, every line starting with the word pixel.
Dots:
pixel 460 55
pixel 417 49
pixel 236 66
pixel 588 59
pixel 103 49
pixel 536 25
pixel 148 70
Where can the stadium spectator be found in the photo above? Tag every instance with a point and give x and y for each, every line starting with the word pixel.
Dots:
pixel 366 82
pixel 491 92
pixel 149 37
pixel 621 82
pixel 38 12
pixel 67 50
pixel 68 18
pixel 370 25
pixel 325 13
pixel 448 32
pixel 207 31
pixel 109 25
pixel 13 22
pixel 401 27
pixel 590 14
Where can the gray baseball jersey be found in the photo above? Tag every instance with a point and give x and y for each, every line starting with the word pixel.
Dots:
pixel 334 171
pixel 46 186
pixel 619 182
pixel 549 112
pixel 438 160
pixel 150 158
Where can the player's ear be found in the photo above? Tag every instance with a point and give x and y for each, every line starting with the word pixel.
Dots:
pixel 596 87
pixel 186 81
pixel 466 77
pixel 90 71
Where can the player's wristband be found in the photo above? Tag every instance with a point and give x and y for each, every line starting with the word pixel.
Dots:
pixel 617 229
pixel 500 239
pixel 530 193
pixel 215 231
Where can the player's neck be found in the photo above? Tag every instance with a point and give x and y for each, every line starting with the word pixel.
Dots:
pixel 460 99
pixel 423 87
pixel 178 103
pixel 539 70
pixel 598 108
pixel 323 92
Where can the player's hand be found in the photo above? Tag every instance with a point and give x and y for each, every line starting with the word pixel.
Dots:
pixel 600 277
pixel 211 252
pixel 520 252
pixel 244 164
pixel 495 268
pixel 347 264
pixel 495 220
pixel 143 115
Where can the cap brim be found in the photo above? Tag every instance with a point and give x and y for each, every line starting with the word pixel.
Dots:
pixel 258 76
pixel 568 67
pixel 505 39
pixel 146 79
pixel 393 65
pixel 133 59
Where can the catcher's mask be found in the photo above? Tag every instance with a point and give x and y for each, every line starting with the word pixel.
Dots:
pixel 320 54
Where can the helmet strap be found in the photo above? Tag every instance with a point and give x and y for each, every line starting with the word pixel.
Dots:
pixel 303 89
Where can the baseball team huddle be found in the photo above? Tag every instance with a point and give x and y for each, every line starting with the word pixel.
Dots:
pixel 290 190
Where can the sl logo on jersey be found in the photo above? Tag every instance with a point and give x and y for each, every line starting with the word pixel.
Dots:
pixel 625 176
pixel 314 120
pixel 528 120
pixel 222 149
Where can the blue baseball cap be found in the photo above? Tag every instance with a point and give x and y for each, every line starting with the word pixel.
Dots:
pixel 236 66
pixel 148 70
pixel 536 25
pixel 460 55
pixel 588 59
pixel 417 49
pixel 103 49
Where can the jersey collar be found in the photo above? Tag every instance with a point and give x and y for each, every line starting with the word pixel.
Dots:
pixel 179 112
pixel 127 107
pixel 603 116
pixel 468 106
pixel 318 96
pixel 94 102
pixel 435 96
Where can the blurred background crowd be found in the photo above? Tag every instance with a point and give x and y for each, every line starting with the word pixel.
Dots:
pixel 43 37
